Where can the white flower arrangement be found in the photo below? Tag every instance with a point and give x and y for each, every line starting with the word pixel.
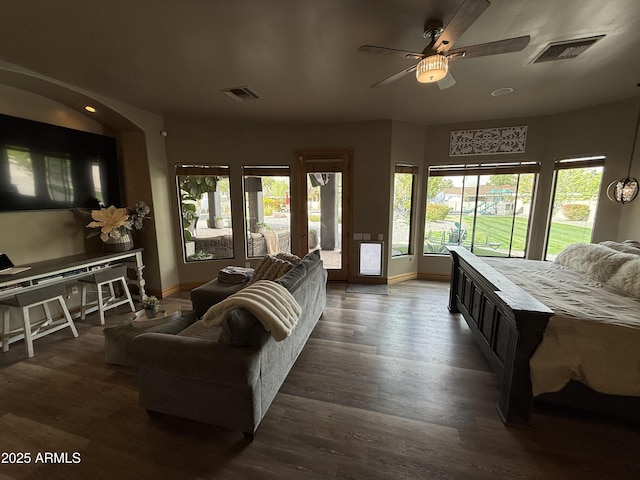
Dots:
pixel 114 222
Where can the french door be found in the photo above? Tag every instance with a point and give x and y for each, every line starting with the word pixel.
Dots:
pixel 324 217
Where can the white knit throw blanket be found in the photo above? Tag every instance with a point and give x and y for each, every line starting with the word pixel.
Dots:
pixel 271 303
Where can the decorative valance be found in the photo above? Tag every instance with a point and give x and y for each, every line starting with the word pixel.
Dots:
pixel 488 141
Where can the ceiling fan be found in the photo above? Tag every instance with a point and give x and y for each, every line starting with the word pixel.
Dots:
pixel 433 65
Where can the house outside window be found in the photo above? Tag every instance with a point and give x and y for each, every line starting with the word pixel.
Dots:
pixel 483 207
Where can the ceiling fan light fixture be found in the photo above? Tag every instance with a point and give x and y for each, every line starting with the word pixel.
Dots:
pixel 432 68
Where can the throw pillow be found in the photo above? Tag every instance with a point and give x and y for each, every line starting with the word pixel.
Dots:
pixel 289 257
pixel 297 273
pixel 293 276
pixel 270 268
pixel 242 328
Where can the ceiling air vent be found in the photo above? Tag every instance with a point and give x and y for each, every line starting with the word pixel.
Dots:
pixel 567 49
pixel 240 94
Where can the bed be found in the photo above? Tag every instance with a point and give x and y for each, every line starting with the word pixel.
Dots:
pixel 564 332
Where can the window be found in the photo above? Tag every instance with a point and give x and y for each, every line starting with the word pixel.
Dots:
pixel 404 181
pixel 21 172
pixel 96 180
pixel 483 207
pixel 575 202
pixel 59 182
pixel 267 210
pixel 205 209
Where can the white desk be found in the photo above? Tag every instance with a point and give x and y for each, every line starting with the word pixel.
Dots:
pixel 70 268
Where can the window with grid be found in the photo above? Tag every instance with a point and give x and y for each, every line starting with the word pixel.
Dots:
pixel 483 207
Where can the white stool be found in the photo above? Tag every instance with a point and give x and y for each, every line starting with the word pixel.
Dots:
pixel 27 300
pixel 106 277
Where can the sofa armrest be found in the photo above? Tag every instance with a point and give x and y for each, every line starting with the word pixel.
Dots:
pixel 196 359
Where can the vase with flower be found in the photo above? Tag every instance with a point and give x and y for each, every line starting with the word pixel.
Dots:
pixel 116 224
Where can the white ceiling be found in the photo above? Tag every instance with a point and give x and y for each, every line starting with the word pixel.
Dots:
pixel 173 57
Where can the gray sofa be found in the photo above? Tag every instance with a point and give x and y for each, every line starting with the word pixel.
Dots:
pixel 227 375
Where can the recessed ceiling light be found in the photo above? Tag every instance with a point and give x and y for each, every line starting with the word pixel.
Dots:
pixel 90 109
pixel 501 91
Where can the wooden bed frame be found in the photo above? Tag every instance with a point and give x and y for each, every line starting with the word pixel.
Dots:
pixel 508 325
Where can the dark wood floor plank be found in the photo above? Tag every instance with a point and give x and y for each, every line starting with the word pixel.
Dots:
pixel 387 387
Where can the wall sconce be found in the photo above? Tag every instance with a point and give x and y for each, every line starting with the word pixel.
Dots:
pixel 625 190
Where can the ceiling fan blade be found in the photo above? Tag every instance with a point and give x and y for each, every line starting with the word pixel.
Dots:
pixel 447 82
pixel 395 77
pixel 464 17
pixel 492 48
pixel 391 51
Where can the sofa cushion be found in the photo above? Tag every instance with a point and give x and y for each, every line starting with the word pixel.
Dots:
pixel 270 268
pixel 198 330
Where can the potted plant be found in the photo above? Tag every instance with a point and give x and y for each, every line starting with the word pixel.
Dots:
pixel 200 255
pixel 261 227
pixel 151 306
pixel 218 222
pixel 313 238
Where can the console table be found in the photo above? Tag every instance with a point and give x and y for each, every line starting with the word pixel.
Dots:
pixel 67 269
pixel 70 268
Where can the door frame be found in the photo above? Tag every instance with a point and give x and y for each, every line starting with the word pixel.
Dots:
pixel 326 161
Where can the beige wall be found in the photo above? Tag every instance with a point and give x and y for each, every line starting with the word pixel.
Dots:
pixel 149 158
pixel 197 141
pixel 407 147
pixel 605 129
pixel 33 236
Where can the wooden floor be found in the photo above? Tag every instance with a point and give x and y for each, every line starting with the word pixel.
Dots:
pixel 388 387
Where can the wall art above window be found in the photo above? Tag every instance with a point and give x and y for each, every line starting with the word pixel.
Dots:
pixel 488 141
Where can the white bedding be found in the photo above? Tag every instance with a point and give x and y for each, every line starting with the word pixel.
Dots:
pixel 593 336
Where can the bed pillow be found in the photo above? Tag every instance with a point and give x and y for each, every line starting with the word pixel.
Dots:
pixel 597 262
pixel 628 246
pixel 617 270
pixel 627 279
